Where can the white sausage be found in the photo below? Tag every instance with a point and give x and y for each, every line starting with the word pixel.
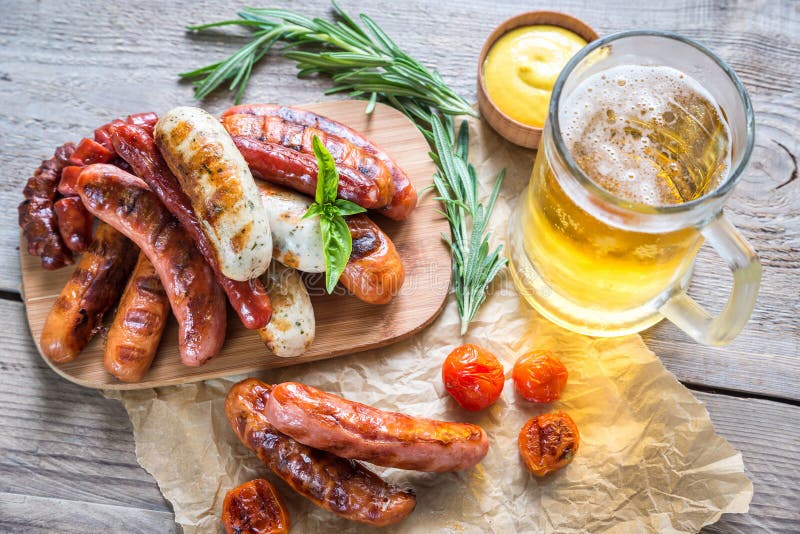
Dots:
pixel 221 189
pixel 291 330
pixel 296 242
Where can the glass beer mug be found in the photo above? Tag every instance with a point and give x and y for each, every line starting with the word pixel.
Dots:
pixel 646 135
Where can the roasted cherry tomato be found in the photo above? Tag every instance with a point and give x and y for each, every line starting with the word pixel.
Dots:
pixel 473 376
pixel 548 442
pixel 539 376
pixel 254 508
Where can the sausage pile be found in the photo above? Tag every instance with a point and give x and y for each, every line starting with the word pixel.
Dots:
pixel 192 210
pixel 312 440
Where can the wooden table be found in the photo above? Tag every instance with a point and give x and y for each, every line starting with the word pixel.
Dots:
pixel 67 462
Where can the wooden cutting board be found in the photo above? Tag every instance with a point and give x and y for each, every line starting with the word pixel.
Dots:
pixel 344 324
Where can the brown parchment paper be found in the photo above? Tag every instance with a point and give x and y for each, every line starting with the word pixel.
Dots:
pixel 649 460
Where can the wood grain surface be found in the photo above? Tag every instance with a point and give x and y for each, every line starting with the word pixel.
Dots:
pixel 340 317
pixel 68 66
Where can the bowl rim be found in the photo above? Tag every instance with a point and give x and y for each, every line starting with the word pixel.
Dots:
pixel 559 19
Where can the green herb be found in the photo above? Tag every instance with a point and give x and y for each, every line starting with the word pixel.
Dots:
pixel 337 243
pixel 366 63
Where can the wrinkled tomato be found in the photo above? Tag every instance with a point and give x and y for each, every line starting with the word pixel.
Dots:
pixel 473 376
pixel 539 376
pixel 548 442
pixel 254 508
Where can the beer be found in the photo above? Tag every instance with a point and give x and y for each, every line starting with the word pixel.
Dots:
pixel 651 136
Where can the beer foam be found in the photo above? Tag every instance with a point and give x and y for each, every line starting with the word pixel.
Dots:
pixel 613 120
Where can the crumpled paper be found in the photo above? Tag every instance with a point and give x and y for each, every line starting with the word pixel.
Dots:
pixel 649 460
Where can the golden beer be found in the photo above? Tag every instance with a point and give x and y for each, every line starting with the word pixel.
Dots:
pixel 650 136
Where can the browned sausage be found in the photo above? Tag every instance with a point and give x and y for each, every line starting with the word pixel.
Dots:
pixel 283 166
pixel 254 508
pixel 121 200
pixel 36 215
pixel 344 487
pixel 352 430
pixel 74 223
pixel 374 272
pixel 136 146
pixel 94 287
pixel 405 195
pixel 141 316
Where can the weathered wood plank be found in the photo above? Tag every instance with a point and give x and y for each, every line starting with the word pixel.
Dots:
pixel 61 79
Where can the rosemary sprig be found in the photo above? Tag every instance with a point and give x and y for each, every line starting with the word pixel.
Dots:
pixel 366 63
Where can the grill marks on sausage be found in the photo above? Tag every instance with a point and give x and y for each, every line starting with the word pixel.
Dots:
pixel 37 217
pixel 341 486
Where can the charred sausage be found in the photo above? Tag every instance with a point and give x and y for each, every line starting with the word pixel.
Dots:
pixel 94 287
pixel 140 320
pixel 404 199
pixel 352 430
pixel 284 166
pixel 121 200
pixel 220 188
pixel 136 146
pixel 36 215
pixel 74 223
pixel 343 487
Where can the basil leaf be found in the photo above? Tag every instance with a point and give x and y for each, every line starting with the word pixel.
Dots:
pixel 313 209
pixel 327 175
pixel 337 245
pixel 346 207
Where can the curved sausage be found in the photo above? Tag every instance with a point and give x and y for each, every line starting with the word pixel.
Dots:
pixel 344 487
pixel 291 330
pixel 93 288
pixel 284 166
pixel 374 272
pixel 404 199
pixel 197 302
pixel 36 215
pixel 352 430
pixel 136 146
pixel 141 316
pixel 220 188
pixel 254 508
pixel 74 223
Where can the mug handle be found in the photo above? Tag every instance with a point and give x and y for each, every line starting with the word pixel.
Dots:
pixel 690 317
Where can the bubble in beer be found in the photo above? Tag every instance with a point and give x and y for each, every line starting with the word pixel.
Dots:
pixel 651 135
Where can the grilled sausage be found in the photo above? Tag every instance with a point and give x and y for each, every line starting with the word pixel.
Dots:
pixel 374 272
pixel 122 200
pixel 352 430
pixel 291 330
pixel 404 199
pixel 36 215
pixel 344 487
pixel 94 287
pixel 74 223
pixel 141 316
pixel 287 167
pixel 221 190
pixel 254 508
pixel 136 146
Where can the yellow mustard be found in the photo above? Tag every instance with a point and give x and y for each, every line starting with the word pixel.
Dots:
pixel 522 66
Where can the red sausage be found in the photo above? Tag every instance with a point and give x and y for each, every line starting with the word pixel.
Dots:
pixel 74 223
pixel 197 302
pixel 352 430
pixel 136 146
pixel 344 487
pixel 37 217
pixel 374 273
pixel 405 195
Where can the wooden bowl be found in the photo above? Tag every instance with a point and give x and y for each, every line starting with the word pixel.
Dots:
pixel 517 132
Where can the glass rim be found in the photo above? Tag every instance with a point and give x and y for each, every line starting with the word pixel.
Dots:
pixel 626 205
